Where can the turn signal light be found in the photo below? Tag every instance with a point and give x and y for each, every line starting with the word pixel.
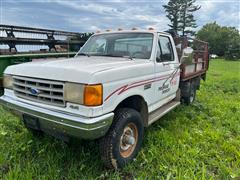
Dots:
pixel 93 95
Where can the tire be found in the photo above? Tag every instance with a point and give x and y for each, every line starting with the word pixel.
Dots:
pixel 123 141
pixel 191 97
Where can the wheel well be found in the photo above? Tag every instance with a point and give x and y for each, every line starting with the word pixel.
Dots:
pixel 138 103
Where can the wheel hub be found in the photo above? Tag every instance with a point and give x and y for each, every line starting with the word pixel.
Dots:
pixel 128 140
pixel 191 97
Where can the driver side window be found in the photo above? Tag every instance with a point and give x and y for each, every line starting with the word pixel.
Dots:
pixel 165 48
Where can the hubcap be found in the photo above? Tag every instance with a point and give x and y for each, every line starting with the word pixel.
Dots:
pixel 128 140
pixel 191 97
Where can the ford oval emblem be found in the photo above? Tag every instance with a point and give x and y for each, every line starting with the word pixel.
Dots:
pixel 34 92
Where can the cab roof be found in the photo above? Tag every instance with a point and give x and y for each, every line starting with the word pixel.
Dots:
pixel 130 31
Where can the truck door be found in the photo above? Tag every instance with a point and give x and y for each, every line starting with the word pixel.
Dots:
pixel 166 71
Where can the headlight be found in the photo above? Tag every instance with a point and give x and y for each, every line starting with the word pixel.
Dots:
pixel 89 95
pixel 73 93
pixel 7 82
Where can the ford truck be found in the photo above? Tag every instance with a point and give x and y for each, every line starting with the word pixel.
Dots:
pixel 119 83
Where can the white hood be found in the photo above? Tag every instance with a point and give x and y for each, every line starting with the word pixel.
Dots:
pixel 78 69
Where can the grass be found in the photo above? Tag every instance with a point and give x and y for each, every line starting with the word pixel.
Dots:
pixel 201 141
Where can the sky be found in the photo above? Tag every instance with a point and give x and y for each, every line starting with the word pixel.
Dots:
pixel 90 15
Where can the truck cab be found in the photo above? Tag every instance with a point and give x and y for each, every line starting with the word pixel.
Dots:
pixel 117 84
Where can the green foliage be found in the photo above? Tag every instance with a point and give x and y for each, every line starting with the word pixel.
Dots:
pixel 187 21
pixel 172 10
pixel 223 41
pixel 180 14
pixel 232 54
pixel 86 36
pixel 201 141
pixel 83 37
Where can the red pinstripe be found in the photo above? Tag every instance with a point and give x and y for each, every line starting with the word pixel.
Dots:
pixel 143 82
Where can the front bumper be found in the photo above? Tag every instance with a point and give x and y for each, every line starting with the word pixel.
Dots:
pixel 60 122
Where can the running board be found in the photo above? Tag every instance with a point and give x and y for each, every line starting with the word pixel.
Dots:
pixel 155 115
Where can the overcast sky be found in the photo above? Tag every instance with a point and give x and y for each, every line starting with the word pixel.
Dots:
pixel 90 15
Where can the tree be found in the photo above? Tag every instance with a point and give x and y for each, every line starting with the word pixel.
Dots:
pixel 180 14
pixel 223 41
pixel 173 14
pixel 187 21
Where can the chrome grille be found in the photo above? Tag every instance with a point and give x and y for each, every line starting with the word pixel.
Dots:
pixel 47 92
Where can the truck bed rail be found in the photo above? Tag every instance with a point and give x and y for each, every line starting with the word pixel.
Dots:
pixel 198 64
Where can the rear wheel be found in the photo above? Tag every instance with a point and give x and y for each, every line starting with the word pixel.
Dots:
pixel 192 95
pixel 124 139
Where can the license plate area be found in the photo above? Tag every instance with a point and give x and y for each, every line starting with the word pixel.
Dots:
pixel 31 121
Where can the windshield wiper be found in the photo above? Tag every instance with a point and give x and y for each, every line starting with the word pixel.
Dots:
pixel 129 57
pixel 113 55
pixel 108 55
pixel 83 54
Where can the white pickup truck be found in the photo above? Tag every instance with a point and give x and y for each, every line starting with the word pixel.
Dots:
pixel 117 84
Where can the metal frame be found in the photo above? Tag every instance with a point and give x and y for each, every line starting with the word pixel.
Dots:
pixel 11 40
pixel 201 52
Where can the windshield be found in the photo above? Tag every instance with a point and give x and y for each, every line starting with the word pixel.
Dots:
pixel 132 45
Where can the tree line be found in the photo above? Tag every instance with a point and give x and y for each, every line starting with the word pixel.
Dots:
pixel 223 40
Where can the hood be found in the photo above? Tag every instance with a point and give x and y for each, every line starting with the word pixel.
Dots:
pixel 78 69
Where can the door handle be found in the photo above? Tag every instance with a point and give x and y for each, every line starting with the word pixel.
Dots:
pixel 166 64
pixel 175 65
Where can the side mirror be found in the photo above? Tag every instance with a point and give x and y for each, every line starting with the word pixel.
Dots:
pixel 187 55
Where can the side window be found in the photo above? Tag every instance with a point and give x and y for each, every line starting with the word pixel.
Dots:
pixel 166 49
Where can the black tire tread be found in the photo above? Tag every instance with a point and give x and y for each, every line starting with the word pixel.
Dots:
pixel 187 100
pixel 105 142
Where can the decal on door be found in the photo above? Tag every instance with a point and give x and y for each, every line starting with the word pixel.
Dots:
pixel 140 83
pixel 165 88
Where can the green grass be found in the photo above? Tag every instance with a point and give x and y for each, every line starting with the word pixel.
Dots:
pixel 201 141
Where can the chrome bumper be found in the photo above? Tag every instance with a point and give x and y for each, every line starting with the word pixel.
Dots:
pixel 60 122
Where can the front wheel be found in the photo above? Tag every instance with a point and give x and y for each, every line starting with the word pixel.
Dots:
pixel 123 140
